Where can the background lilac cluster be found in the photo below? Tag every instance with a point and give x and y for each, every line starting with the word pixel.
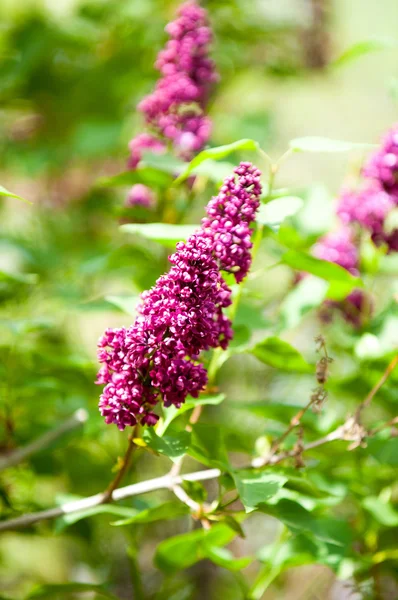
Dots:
pixel 156 359
pixel 366 208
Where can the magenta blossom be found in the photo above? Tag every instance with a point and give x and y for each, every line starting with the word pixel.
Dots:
pixel 175 109
pixel 383 164
pixel 140 195
pixel 156 359
pixel 338 247
pixel 141 143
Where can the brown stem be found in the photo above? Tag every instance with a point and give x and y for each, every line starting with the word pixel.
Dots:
pixel 376 388
pixel 107 496
pixel 293 423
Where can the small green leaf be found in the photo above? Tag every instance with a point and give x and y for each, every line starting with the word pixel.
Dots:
pixel 224 558
pixel 110 509
pixel 150 176
pixel 217 153
pixel 182 551
pixel 275 212
pixel 4 192
pixel 208 446
pixel 49 592
pixel 374 44
pixel 256 487
pixel 163 233
pixel 127 304
pixel 322 144
pixel 385 451
pixel 299 520
pixel 163 512
pixel 383 512
pixel 172 412
pixel 280 354
pixel 173 446
pixel 302 261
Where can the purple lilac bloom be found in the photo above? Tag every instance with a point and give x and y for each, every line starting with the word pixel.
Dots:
pixel 175 109
pixel 140 195
pixel 228 220
pixel 338 247
pixel 156 359
pixel 383 164
pixel 368 207
pixel 141 143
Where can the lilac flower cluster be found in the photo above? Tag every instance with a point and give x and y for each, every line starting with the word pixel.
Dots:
pixel 140 195
pixel 174 111
pixel 156 359
pixel 370 206
pixel 228 220
pixel 338 247
pixel 383 164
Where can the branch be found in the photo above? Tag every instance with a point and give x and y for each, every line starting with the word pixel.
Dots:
pixel 151 485
pixel 20 454
pixel 124 465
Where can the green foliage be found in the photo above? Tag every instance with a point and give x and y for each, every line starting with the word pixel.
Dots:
pixel 70 83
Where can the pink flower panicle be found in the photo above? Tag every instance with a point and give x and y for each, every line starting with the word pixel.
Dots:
pixel 368 207
pixel 175 109
pixel 338 247
pixel 141 143
pixel 228 220
pixel 156 359
pixel 140 195
pixel 383 164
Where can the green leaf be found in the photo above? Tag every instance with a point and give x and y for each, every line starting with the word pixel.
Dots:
pixel 301 261
pixel 172 412
pixel 322 144
pixel 182 551
pixel 4 192
pixel 163 233
pixel 275 212
pixel 195 490
pixel 383 512
pixel 374 44
pixel 172 446
pixel 256 487
pixel 385 451
pixel 127 304
pixel 212 169
pixel 66 589
pixel 217 153
pixel 224 558
pixel 208 446
pixel 150 176
pixel 280 354
pixel 110 509
pixel 163 512
pixel 299 520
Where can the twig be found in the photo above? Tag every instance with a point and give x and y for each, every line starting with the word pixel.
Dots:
pixel 107 496
pixel 151 485
pixel 20 454
pixel 176 468
pixel 378 385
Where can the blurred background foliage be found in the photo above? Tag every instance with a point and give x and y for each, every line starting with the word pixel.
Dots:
pixel 71 75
